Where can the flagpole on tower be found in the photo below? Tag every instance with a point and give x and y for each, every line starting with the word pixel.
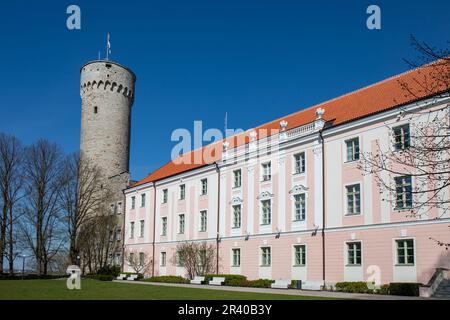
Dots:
pixel 108 47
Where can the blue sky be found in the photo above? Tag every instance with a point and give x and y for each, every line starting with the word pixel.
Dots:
pixel 194 60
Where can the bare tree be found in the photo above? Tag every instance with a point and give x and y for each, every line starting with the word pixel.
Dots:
pixel 196 258
pixel 140 262
pixel 80 198
pixel 11 187
pixel 414 175
pixel 97 242
pixel 42 225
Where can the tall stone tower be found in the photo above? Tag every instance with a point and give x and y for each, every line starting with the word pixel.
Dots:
pixel 107 94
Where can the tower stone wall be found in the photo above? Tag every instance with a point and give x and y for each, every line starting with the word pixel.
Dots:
pixel 107 94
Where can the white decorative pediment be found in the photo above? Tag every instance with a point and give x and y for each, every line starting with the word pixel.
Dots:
pixel 298 188
pixel 236 200
pixel 265 195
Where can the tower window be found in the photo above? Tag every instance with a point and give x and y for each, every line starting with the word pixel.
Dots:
pixel 95 109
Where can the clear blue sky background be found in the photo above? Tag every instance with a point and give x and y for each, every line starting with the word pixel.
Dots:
pixel 194 60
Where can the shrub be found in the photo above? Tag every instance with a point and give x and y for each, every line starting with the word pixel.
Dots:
pixel 109 270
pixel 238 283
pixel 168 279
pixel 353 287
pixel 404 289
pixel 384 289
pixel 260 283
pixel 32 276
pixel 228 277
pixel 140 276
pixel 101 277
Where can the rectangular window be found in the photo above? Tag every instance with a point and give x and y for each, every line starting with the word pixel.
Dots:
pixel 204 183
pixel 131 257
pixel 133 202
pixel 142 226
pixel 143 200
pixel 300 255
pixel 165 195
pixel 182 192
pixel 163 259
pixel 401 137
pixel 299 162
pixel 118 234
pixel 265 256
pixel 119 207
pixel 237 179
pixel 266 171
pixel 164 226
pixel 405 252
pixel 132 229
pixel 237 216
pixel 354 253
pixel 236 257
pixel 180 260
pixel 353 199
pixel 352 146
pixel 300 207
pixel 203 220
pixel 112 209
pixel 266 212
pixel 141 258
pixel 403 189
pixel 181 223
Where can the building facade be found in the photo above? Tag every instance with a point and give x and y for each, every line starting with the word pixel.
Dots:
pixel 294 204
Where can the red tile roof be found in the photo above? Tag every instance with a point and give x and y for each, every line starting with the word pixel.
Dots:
pixel 381 96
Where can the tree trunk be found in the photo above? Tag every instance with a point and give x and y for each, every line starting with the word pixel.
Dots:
pixel 3 236
pixel 11 242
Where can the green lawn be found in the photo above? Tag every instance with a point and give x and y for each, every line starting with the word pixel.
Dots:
pixel 97 290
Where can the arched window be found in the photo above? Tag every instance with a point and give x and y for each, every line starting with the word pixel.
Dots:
pixel 95 109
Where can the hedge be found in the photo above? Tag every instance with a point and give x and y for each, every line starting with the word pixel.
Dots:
pixel 32 276
pixel 393 288
pixel 353 287
pixel 404 289
pixel 228 277
pixel 259 283
pixel 167 279
pixel 101 277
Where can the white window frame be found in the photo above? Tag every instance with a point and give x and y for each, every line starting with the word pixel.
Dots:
pixel 262 215
pixel 143 198
pixel 239 225
pixel 237 178
pixel 405 264
pixel 131 229
pixel 165 195
pixel 133 202
pixel 203 227
pixel 347 253
pixel 302 154
pixel 346 207
pixel 404 193
pixel 181 223
pixel 303 254
pixel 356 152
pixel 294 218
pixel 182 192
pixel 141 228
pixel 204 186
pixel 262 264
pixel 266 171
pixel 163 226
pixel 163 258
pixel 402 136
pixel 233 264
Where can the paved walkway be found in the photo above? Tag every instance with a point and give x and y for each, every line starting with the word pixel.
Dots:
pixel 322 294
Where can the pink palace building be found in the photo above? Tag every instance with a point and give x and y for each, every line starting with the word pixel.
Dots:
pixel 302 210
